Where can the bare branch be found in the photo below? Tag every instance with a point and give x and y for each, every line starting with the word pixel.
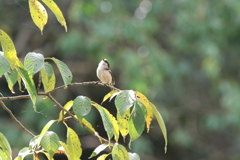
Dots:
pixel 15 119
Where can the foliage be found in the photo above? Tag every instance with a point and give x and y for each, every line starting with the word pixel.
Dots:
pixel 134 109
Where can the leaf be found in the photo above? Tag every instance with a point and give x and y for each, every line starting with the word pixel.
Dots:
pixel 73 146
pixel 109 95
pixel 99 149
pixel 23 153
pixel 58 13
pixel 88 125
pixel 123 123
pixel 44 130
pixel 65 72
pixel 161 124
pixel 137 120
pixel 109 122
pixel 67 106
pixel 34 142
pixel 102 157
pixel 133 156
pixel 33 62
pixel 50 143
pixel 11 77
pixel 5 149
pixel 38 13
pixel 148 106
pixel 119 152
pixel 124 101
pixel 9 50
pixel 4 64
pixel 81 106
pixel 29 84
pixel 48 77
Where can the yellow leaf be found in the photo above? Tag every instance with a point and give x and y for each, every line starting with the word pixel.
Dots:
pixel 38 13
pixel 148 106
pixel 123 123
pixel 103 157
pixel 58 13
pixel 67 106
pixel 88 125
pixel 109 95
pixel 9 50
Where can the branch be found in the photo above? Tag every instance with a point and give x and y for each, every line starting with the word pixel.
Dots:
pixel 84 84
pixel 15 119
pixel 70 114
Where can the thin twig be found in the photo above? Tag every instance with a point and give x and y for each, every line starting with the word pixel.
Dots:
pixel 14 98
pixel 15 119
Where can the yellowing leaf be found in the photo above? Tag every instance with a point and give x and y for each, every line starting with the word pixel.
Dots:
pixel 73 146
pixel 5 149
pixel 88 125
pixel 161 124
pixel 109 95
pixel 67 106
pixel 9 50
pixel 44 130
pixel 102 157
pixel 109 122
pixel 58 13
pixel 48 77
pixel 119 152
pixel 38 13
pixel 147 104
pixel 123 123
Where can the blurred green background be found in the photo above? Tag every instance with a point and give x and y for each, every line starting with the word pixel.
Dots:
pixel 183 55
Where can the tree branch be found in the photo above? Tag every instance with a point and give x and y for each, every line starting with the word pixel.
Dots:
pixel 70 114
pixel 15 119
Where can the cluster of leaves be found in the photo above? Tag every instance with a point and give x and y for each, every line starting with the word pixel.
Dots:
pixel 134 109
pixel 40 16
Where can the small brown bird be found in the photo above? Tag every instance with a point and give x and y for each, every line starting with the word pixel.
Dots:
pixel 104 73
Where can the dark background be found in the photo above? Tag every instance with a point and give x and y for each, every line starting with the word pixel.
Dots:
pixel 183 55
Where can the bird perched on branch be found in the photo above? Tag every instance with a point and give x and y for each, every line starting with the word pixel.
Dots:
pixel 104 73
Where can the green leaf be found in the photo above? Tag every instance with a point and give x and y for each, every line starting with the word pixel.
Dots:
pixel 109 122
pixel 29 84
pixel 119 152
pixel 55 9
pixel 81 106
pixel 48 77
pixel 137 120
pixel 124 101
pixel 133 156
pixel 44 130
pixel 102 157
pixel 73 146
pixel 67 106
pixel 9 50
pixel 5 149
pixel 38 13
pixel 50 143
pixel 99 149
pixel 11 77
pixel 161 124
pixel 33 62
pixel 23 153
pixel 65 72
pixel 4 64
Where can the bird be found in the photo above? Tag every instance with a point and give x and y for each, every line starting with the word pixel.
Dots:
pixel 104 73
